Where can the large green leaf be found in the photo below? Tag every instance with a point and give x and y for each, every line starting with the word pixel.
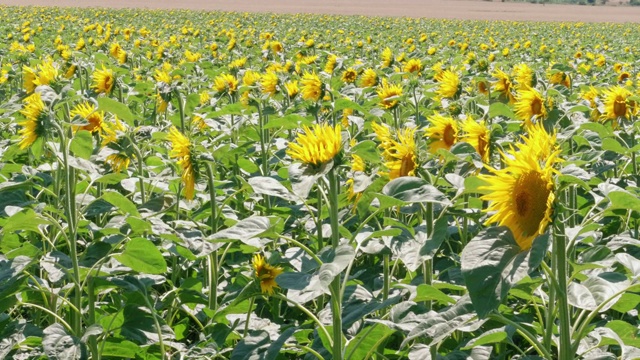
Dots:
pixel 117 108
pixel 252 346
pixel 140 327
pixel 82 144
pixel 264 185
pixel 244 230
pixel 121 202
pixel 413 189
pixel 58 344
pixel 367 341
pixel 493 262
pixel 143 256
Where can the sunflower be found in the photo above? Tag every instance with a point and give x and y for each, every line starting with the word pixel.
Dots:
pixel 311 86
pixel 317 145
pixel 225 82
pixel 181 150
pixel 523 75
pixel 266 274
pixel 616 103
pixel 292 88
pixel 88 112
pixel 387 57
pixel 103 81
pixel 162 76
pixel 503 85
pixel 413 66
pixel 400 155
pixel 269 83
pixel 349 76
pixel 331 64
pixel 389 94
pixel 369 78
pixel 477 135
pixel 33 126
pixel 560 78
pixel 530 105
pixel 250 78
pixel 623 76
pixel 449 84
pixel 43 74
pixel 443 132
pixel 521 194
pixel 539 142
pixel 118 161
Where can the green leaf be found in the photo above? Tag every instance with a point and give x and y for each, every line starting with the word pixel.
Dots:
pixel 264 185
pixel 343 103
pixel 601 130
pixel 367 341
pixel 338 260
pixel 288 122
pixel 492 336
pixel 121 202
pixel 274 349
pixel 623 200
pixel 139 326
pixel 500 109
pixel 191 102
pixel 612 144
pixel 367 151
pixel 143 256
pixel 493 262
pixel 25 220
pixel 429 293
pixel 119 348
pixel 243 230
pixel 251 346
pixel 117 108
pixel 82 144
pixel 628 333
pixel 413 189
pixel 58 344
pixel 248 165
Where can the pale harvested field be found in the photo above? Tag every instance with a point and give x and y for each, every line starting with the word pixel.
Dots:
pixel 450 9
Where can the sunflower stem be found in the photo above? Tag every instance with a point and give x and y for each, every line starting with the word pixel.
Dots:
pixel 336 301
pixel 246 323
pixel 181 111
pixel 140 170
pixel 427 266
pixel 560 253
pixel 71 214
pixel 212 262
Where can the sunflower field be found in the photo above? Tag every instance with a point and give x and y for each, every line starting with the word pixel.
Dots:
pixel 208 185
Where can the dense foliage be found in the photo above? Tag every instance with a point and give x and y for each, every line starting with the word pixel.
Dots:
pixel 179 184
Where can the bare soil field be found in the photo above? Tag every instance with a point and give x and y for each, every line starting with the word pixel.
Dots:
pixel 449 9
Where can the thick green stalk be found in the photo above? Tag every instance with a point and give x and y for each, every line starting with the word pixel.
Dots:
pixel 560 252
pixel 140 171
pixel 213 257
pixel 71 214
pixel 336 300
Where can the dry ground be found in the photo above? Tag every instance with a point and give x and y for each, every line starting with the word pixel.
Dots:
pixel 451 9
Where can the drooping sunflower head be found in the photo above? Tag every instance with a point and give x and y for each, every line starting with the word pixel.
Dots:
pixel 311 86
pixel 616 104
pixel 477 135
pixel 250 78
pixel 103 81
pixel 181 150
pixel 369 78
pixel 522 196
pixel 331 63
pixel 317 145
pixel 443 132
pixel 389 94
pixel 44 74
pixel 225 83
pixel 530 106
pixel 33 126
pixel 88 112
pixel 387 57
pixel 266 274
pixel 503 85
pixel 449 84
pixel 560 78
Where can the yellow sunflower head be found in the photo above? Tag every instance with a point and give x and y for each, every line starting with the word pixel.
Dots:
pixel 369 78
pixel 225 83
pixel 389 94
pixel 443 132
pixel 521 195
pixel 449 84
pixel 103 81
pixel 311 86
pixel 181 150
pixel 530 105
pixel 349 76
pixel 269 83
pixel 317 145
pixel 413 66
pixel 616 104
pixel 266 274
pixel 387 57
pixel 503 85
pixel 292 88
pixel 89 112
pixel 331 64
pixel 250 78
pixel 477 135
pixel 33 126
pixel 523 75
